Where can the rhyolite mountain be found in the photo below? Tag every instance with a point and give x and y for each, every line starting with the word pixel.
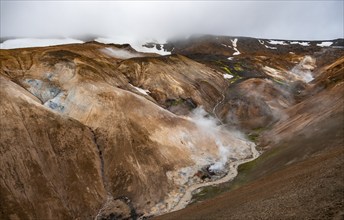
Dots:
pixel 102 131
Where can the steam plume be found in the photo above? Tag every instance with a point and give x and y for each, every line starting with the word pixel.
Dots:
pixel 224 152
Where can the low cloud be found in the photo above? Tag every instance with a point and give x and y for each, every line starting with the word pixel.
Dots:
pixel 161 20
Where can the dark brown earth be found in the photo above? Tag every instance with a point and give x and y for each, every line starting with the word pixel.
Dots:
pixel 311 189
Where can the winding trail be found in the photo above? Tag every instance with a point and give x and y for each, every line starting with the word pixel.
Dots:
pixel 220 102
pixel 232 173
pixel 217 104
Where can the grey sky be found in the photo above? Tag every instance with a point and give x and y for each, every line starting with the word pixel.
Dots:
pixel 302 20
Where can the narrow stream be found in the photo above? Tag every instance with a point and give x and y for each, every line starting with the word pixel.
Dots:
pixel 232 173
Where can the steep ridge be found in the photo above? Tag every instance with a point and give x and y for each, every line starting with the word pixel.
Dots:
pixel 152 126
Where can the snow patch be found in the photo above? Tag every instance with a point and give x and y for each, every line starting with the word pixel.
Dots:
pixel 277 42
pixel 325 44
pixel 154 49
pixel 227 76
pixel 234 43
pixel 272 48
pixel 230 58
pixel 305 44
pixel 261 41
pixel 236 53
pixel 33 42
pixel 225 45
pixel 138 45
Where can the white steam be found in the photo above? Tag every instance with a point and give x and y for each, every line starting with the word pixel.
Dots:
pixel 211 147
pixel 208 125
pixel 224 152
pixel 304 69
pixel 120 53
pixel 203 120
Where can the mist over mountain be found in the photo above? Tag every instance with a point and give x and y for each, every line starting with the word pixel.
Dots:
pixel 304 20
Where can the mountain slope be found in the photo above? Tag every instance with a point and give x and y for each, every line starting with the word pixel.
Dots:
pixel 49 163
pixel 111 132
pixel 300 175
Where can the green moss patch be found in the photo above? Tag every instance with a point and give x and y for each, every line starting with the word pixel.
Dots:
pixel 238 68
pixel 227 70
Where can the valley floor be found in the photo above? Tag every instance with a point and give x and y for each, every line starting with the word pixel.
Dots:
pixel 311 187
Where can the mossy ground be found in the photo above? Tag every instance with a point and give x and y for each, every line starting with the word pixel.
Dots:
pixel 233 72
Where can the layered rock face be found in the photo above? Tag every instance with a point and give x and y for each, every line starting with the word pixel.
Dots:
pixel 103 131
